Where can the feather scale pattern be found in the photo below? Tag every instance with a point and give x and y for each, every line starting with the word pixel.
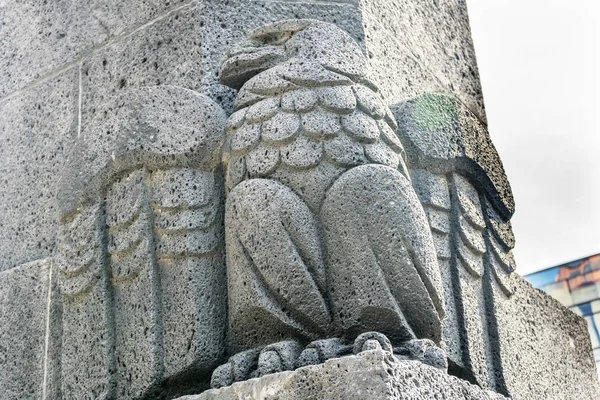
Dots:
pixel 300 123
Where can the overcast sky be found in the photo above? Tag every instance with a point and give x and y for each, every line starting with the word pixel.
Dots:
pixel 539 62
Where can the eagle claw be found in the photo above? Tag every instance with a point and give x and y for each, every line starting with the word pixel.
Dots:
pixel 276 357
pixel 372 341
pixel 425 351
pixel 320 351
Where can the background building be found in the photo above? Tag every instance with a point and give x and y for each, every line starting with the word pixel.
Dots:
pixel 576 285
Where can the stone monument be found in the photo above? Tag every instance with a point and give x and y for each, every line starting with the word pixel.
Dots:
pixel 262 199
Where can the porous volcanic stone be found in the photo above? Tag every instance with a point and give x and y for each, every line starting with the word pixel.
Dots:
pixel 24 296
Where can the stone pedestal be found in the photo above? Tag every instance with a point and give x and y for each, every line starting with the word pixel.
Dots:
pixel 372 375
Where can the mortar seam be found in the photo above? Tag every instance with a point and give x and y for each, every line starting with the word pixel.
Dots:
pixel 47 336
pixel 79 101
pixel 93 49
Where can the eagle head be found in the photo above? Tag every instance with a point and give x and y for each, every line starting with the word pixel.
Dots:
pixel 294 41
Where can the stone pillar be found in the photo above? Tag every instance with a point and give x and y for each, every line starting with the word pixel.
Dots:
pixel 112 272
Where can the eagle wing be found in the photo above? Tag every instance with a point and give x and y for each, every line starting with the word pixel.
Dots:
pixel 462 186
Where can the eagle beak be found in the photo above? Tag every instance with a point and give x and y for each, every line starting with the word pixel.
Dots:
pixel 247 60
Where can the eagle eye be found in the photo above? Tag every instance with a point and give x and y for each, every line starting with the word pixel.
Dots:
pixel 274 38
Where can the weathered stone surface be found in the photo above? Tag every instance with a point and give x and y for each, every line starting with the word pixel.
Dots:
pixel 418 47
pixel 240 17
pixel 186 48
pixel 183 44
pixel 443 135
pixel 40 38
pixel 24 305
pixel 499 332
pixel 37 130
pixel 370 375
pixel 155 126
pixel 545 348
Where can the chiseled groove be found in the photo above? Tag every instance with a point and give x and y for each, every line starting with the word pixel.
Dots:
pixel 48 334
pixel 78 271
pixel 438 207
pixel 439 231
pixel 471 220
pixel 297 320
pixel 187 254
pixel 507 266
pixel 79 99
pixel 160 233
pixel 467 265
pixel 127 224
pixel 467 242
pixel 497 236
pixel 311 268
pixel 124 278
pixel 127 251
pixel 81 292
pixel 455 280
pixel 458 239
pixel 349 3
pixel 499 279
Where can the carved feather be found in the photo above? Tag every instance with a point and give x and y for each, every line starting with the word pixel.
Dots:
pixel 463 226
pixel 433 192
pixel 129 219
pixel 470 239
pixel 274 233
pixel 501 241
pixel 299 101
pixel 80 250
pixel 299 125
pixel 186 205
pixel 468 225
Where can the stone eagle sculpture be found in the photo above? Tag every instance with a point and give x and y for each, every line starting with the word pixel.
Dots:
pixel 289 233
pixel 327 243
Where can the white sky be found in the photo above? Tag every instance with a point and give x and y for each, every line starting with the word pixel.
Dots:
pixel 539 62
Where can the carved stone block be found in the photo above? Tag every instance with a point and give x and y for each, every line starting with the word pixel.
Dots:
pixel 37 131
pixel 84 327
pixel 418 47
pixel 544 346
pixel 326 238
pixel 41 37
pixel 25 293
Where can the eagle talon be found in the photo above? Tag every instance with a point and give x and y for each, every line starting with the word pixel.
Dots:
pixel 239 367
pixel 278 357
pixel 372 341
pixel 222 376
pixel 320 351
pixel 425 351
pixel 269 362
